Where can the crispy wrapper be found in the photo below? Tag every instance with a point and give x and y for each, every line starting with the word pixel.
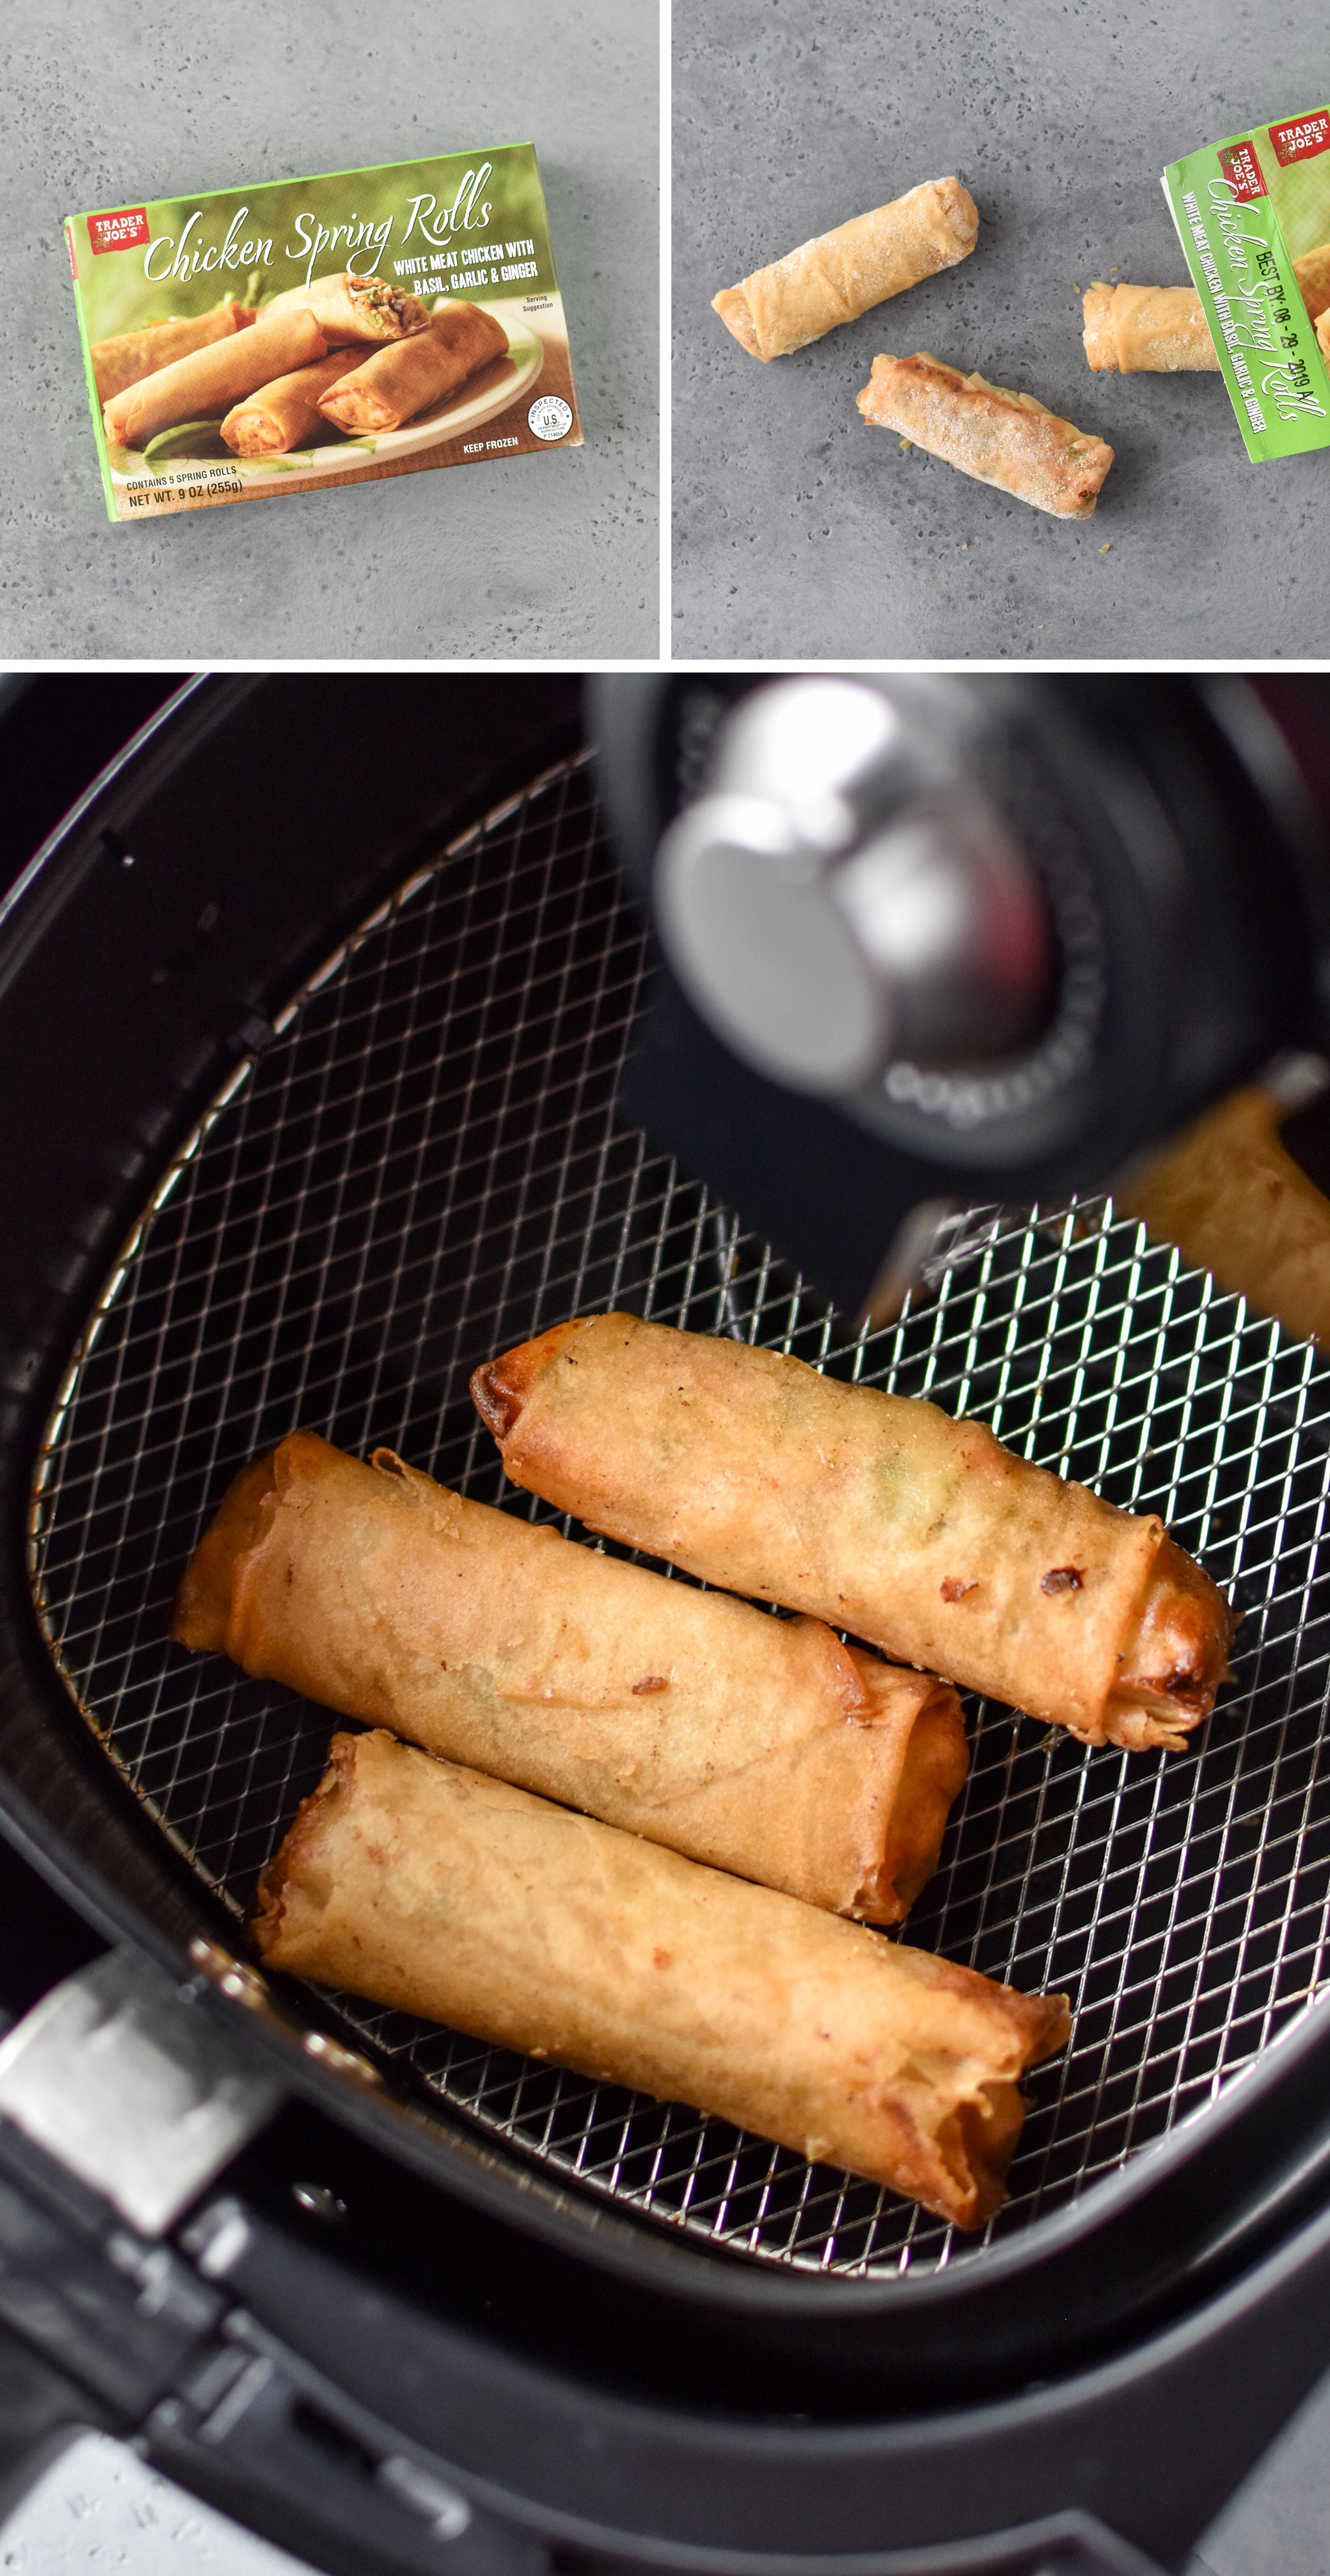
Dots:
pixel 1157 330
pixel 1312 272
pixel 1323 333
pixel 876 1512
pixel 286 414
pixel 1006 439
pixel 124 361
pixel 759 1744
pixel 212 381
pixel 439 1891
pixel 1228 1193
pixel 844 273
pixel 393 385
pixel 350 308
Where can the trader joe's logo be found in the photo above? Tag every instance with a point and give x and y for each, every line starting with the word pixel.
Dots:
pixel 1302 138
pixel 1243 171
pixel 118 232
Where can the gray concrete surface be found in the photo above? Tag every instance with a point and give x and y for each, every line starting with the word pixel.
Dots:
pixel 103 103
pixel 799 531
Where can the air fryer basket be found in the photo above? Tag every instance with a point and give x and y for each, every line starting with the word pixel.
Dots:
pixel 424 1166
pixel 335 1186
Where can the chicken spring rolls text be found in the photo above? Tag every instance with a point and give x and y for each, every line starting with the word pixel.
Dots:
pixel 876 1512
pixel 1159 330
pixel 759 1744
pixel 211 381
pixel 439 1891
pixel 124 361
pixel 1006 439
pixel 349 308
pixel 286 414
pixel 842 274
pixel 396 383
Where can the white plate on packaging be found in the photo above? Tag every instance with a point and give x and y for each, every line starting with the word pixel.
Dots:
pixel 490 391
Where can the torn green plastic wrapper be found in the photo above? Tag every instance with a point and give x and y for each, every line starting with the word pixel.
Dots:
pixel 1249 210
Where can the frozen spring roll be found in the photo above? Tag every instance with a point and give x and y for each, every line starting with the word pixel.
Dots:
pixel 348 308
pixel 438 1891
pixel 1006 439
pixel 759 1744
pixel 1312 272
pixel 1158 330
pixel 125 360
pixel 286 414
pixel 212 381
pixel 842 274
pixel 1228 1193
pixel 396 383
pixel 877 1513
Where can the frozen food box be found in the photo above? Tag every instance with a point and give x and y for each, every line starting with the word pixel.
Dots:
pixel 1253 216
pixel 311 332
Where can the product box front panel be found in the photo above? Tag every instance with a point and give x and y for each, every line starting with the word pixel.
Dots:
pixel 1253 216
pixel 313 332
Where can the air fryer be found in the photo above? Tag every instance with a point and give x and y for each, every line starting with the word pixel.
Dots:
pixel 340 1055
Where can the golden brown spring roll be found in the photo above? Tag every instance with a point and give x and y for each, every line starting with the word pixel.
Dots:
pixel 286 414
pixel 439 1891
pixel 125 360
pixel 396 383
pixel 348 308
pixel 1158 330
pixel 1228 1193
pixel 842 274
pixel 1323 334
pixel 876 1512
pixel 211 381
pixel 1006 439
pixel 759 1744
pixel 1312 272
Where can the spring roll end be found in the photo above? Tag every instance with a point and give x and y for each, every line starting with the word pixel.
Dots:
pixel 732 306
pixel 499 1389
pixel 201 1614
pixel 1101 347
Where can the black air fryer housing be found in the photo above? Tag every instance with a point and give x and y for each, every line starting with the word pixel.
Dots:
pixel 1077 2396
pixel 1189 820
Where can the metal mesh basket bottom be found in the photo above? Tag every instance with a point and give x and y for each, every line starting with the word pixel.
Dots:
pixel 424 1168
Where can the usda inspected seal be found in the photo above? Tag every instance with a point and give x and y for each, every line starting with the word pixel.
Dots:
pixel 550 416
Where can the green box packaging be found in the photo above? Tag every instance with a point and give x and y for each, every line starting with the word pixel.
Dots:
pixel 312 332
pixel 1253 216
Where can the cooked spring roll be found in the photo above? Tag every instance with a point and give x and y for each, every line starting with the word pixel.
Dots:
pixel 1006 439
pixel 439 1891
pixel 347 308
pixel 876 1512
pixel 125 360
pixel 1323 334
pixel 759 1744
pixel 1312 272
pixel 842 274
pixel 396 383
pixel 1229 1194
pixel 1157 330
pixel 211 381
pixel 286 414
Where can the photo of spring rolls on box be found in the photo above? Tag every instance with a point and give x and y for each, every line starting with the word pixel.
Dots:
pixel 311 331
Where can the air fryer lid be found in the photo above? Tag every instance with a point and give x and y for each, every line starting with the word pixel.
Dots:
pixel 420 1165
